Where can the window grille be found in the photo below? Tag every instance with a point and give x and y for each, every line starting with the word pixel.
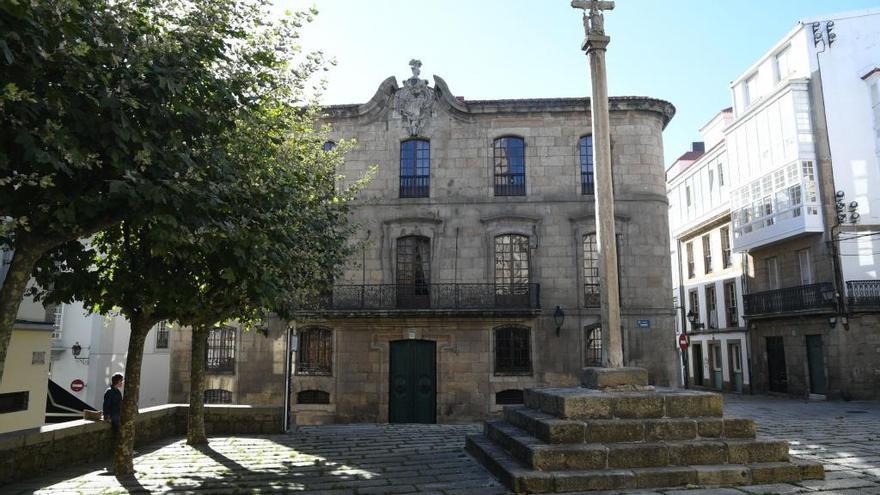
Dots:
pixel 15 401
pixel 312 397
pixel 415 168
pixel 509 397
pixel 218 396
pixel 221 350
pixel 587 171
pixel 161 335
pixel 591 271
pixel 510 166
pixel 315 354
pixel 512 266
pixel 730 303
pixel 512 351
pixel 593 346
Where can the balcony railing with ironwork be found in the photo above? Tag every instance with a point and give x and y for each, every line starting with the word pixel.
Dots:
pixel 802 298
pixel 510 184
pixel 415 186
pixel 398 297
pixel 864 293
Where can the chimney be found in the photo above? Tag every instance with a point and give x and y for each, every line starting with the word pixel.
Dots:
pixel 698 146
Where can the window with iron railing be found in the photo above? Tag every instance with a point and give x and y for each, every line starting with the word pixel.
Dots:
pixel 512 351
pixel 725 247
pixel 512 266
pixel 161 335
pixel 711 307
pixel 587 170
pixel 218 396
pixel 315 354
pixel 510 166
pixel 707 254
pixel 591 271
pixel 415 168
pixel 593 346
pixel 221 350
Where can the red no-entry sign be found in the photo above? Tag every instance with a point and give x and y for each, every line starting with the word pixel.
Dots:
pixel 77 385
pixel 683 341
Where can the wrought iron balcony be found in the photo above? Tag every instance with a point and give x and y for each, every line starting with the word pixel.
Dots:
pixel 814 297
pixel 398 297
pixel 864 294
pixel 415 186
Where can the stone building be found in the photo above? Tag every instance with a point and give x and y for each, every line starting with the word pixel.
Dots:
pixel 479 277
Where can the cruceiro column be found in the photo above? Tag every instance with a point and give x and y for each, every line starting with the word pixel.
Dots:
pixel 595 44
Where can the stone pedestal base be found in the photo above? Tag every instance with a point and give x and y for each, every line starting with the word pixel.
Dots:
pixel 616 379
pixel 578 439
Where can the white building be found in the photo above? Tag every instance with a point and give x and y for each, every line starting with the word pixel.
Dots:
pixel 803 175
pixel 707 275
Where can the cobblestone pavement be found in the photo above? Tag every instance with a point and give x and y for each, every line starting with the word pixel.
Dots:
pixel 370 459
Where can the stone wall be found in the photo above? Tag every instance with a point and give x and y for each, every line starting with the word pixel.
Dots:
pixel 30 453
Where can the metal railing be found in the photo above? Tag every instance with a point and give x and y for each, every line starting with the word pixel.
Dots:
pixel 381 297
pixel 863 293
pixel 415 186
pixel 804 297
pixel 510 184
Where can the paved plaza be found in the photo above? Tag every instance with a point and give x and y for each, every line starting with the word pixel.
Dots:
pixel 370 459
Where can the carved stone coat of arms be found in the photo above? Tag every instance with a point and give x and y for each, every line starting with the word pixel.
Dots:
pixel 414 101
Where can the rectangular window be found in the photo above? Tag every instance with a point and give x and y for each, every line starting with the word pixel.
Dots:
pixel 805 260
pixel 315 351
pixel 14 402
pixel 690 259
pixel 711 180
pixel 720 175
pixel 161 335
pixel 771 264
pixel 512 351
pixel 711 307
pixel 783 64
pixel 725 247
pixel 586 153
pixel 749 90
pixel 694 299
pixel 592 346
pixel 38 357
pixel 591 272
pixel 510 166
pixel 221 350
pixel 730 304
pixel 687 192
pixel 707 254
pixel 55 314
pixel 218 396
pixel 415 168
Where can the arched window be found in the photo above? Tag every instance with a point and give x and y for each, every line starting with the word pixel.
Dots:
pixel 312 397
pixel 413 272
pixel 593 346
pixel 415 168
pixel 591 271
pixel 218 396
pixel 512 269
pixel 586 152
pixel 510 166
pixel 512 351
pixel 329 146
pixel 509 397
pixel 315 354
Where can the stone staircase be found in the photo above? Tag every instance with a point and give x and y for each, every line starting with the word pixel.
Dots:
pixel 627 436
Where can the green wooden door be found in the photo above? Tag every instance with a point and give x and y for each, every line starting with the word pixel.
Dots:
pixel 412 395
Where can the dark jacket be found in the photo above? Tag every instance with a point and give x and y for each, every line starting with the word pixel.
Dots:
pixel 112 405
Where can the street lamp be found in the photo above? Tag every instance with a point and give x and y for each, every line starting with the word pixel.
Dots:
pixel 76 349
pixel 694 319
pixel 559 319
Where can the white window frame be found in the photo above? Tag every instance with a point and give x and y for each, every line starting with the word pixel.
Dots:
pixel 771 264
pixel 805 263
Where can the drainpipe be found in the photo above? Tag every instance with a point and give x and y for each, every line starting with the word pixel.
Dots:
pixel 285 420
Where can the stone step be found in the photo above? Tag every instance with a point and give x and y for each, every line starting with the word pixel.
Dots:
pixel 521 479
pixel 536 454
pixel 584 404
pixel 550 429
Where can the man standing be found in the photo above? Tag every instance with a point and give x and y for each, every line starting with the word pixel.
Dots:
pixel 113 401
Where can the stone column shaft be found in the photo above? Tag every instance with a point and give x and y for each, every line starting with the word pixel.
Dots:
pixel 605 229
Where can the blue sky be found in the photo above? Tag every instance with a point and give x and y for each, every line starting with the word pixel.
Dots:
pixel 683 51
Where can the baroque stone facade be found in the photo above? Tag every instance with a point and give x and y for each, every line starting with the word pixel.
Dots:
pixel 473 229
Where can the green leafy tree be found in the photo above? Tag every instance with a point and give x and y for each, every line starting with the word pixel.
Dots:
pixel 113 111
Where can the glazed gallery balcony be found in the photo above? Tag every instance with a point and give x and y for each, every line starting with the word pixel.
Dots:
pixel 804 298
pixel 427 298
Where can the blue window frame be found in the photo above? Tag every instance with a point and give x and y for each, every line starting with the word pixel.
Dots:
pixel 328 146
pixel 415 168
pixel 588 184
pixel 510 166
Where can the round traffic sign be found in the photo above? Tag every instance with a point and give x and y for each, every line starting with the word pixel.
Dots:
pixel 683 341
pixel 77 385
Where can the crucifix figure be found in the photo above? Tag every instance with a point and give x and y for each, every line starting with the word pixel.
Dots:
pixel 595 17
pixel 595 45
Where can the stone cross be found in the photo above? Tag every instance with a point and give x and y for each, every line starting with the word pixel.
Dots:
pixel 595 45
pixel 595 16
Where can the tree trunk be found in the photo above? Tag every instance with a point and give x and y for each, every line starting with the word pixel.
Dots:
pixel 195 432
pixel 23 261
pixel 122 453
